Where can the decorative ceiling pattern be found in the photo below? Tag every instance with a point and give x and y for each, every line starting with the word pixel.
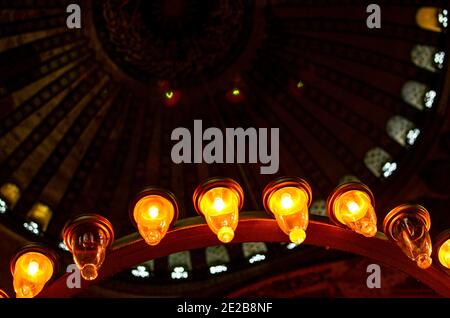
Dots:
pixel 86 116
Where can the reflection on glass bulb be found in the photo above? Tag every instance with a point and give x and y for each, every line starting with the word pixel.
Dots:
pixel 414 241
pixel 32 270
pixel 219 201
pixel 153 213
pixel 288 200
pixel 408 226
pixel 88 238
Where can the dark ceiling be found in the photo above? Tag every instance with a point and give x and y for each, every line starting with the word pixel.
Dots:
pixel 86 121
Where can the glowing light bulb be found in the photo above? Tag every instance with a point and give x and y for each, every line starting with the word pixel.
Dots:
pixel 219 201
pixel 408 226
pixel 88 237
pixel 31 271
pixel 352 205
pixel 153 212
pixel 288 200
pixel 444 254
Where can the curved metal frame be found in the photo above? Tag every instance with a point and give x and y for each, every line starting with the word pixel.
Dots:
pixel 192 233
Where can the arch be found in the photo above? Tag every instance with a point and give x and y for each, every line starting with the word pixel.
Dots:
pixel 402 130
pixel 193 233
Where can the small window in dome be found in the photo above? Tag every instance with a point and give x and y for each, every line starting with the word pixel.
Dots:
pixel 180 264
pixel 254 252
pixel 379 162
pixel 216 255
pixel 427 57
pixel 432 18
pixel 402 130
pixel 318 207
pixel 418 95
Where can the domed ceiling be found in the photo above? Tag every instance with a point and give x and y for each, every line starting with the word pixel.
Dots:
pixel 87 115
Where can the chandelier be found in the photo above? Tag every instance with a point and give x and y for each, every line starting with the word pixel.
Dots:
pixel 405 242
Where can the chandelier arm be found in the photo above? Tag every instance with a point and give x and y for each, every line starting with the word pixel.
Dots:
pixel 193 233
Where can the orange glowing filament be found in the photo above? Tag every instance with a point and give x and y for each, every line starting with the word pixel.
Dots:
pixel 354 209
pixel 153 215
pixel 32 271
pixel 220 207
pixel 290 207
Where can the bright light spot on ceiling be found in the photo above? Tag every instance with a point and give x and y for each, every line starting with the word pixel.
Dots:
pixel 218 269
pixel 63 246
pixel 412 136
pixel 291 246
pixel 31 226
pixel 429 98
pixel 140 271
pixel 389 168
pixel 439 59
pixel 3 206
pixel 236 92
pixel 256 258
pixel 443 18
pixel 179 273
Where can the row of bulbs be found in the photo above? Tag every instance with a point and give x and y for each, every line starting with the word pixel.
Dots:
pixel 219 201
